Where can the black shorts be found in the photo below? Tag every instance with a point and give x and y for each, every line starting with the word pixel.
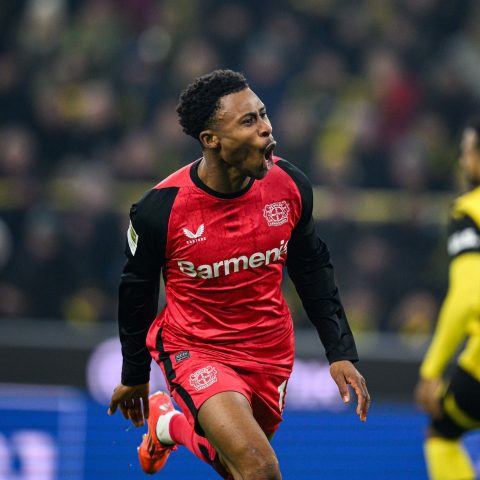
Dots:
pixel 460 406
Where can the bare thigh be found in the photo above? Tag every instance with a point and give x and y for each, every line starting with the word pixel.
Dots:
pixel 229 425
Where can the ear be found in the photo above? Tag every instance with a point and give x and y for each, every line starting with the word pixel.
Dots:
pixel 209 139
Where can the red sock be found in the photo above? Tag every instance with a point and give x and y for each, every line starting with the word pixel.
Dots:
pixel 183 434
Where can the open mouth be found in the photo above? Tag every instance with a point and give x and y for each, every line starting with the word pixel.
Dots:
pixel 268 154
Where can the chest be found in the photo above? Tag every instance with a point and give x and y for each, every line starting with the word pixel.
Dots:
pixel 205 229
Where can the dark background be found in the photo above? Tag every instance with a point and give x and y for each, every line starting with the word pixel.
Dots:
pixel 367 97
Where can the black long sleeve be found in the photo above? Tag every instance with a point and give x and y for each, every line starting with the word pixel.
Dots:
pixel 139 285
pixel 311 271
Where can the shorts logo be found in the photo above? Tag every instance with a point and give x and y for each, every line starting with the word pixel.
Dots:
pixel 276 213
pixel 203 378
pixel 182 356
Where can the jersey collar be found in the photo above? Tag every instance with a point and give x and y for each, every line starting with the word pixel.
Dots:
pixel 196 180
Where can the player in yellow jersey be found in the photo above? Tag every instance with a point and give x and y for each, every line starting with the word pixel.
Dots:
pixel 455 408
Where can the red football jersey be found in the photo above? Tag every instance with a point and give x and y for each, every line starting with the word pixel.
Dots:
pixel 223 272
pixel 222 257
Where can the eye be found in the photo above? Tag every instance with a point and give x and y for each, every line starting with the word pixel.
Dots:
pixel 263 114
pixel 248 121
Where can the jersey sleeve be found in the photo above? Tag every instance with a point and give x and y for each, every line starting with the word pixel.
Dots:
pixel 463 236
pixel 310 268
pixel 139 285
pixel 462 302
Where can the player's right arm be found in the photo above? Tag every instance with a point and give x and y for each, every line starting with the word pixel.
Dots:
pixel 138 299
pixel 138 293
pixel 461 305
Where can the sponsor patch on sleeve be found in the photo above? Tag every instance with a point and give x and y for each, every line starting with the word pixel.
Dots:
pixel 467 239
pixel 132 237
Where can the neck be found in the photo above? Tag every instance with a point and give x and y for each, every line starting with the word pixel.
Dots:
pixel 221 177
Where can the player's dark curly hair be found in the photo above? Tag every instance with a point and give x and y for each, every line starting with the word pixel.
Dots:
pixel 199 102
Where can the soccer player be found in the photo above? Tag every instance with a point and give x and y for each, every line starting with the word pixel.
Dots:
pixel 455 410
pixel 221 230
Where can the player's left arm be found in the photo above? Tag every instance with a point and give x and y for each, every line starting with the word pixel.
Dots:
pixel 311 271
pixel 344 373
pixel 309 266
pixel 461 305
pixel 137 307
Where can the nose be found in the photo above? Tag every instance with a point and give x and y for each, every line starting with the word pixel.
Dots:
pixel 265 129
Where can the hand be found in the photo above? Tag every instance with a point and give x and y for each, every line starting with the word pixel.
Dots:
pixel 344 373
pixel 427 396
pixel 130 401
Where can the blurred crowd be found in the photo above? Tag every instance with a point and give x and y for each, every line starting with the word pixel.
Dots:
pixel 362 94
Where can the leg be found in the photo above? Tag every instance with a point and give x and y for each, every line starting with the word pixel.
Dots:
pixel 447 459
pixel 200 385
pixel 182 433
pixel 229 425
pixel 168 428
pixel 444 453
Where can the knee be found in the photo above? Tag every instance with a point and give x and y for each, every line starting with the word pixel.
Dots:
pixel 267 471
pixel 261 467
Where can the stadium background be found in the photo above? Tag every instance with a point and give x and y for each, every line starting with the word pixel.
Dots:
pixel 368 97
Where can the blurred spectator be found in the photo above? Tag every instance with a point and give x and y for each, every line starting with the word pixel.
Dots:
pixel 414 315
pixel 39 274
pixel 6 244
pixel 363 305
pixel 365 97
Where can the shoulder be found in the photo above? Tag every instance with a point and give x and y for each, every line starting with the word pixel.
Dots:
pixel 153 209
pixel 160 198
pixel 293 172
pixel 300 183
pixel 464 225
pixel 467 205
pixel 299 178
pixel 178 179
pixel 154 198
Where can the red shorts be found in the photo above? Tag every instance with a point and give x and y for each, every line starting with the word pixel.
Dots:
pixel 194 378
